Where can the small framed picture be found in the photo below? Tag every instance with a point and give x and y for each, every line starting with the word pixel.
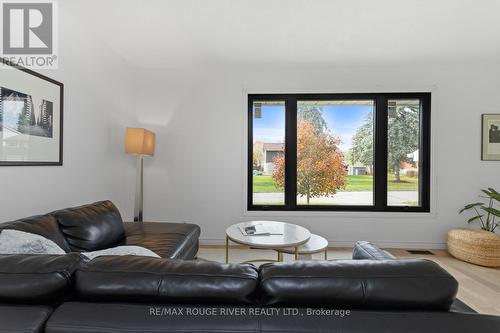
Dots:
pixel 31 117
pixel 490 137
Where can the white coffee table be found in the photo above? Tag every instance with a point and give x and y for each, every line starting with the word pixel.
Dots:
pixel 291 236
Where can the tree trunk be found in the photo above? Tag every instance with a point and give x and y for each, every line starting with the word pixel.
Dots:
pixel 308 196
pixel 397 174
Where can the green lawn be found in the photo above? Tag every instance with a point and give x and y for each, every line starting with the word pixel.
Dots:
pixel 265 184
pixel 359 183
pixel 406 184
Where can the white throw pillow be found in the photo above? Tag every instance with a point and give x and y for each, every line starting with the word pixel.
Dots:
pixel 20 242
pixel 128 250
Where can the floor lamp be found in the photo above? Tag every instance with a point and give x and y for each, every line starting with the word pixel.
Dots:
pixel 139 142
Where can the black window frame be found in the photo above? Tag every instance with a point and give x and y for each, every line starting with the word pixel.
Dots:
pixel 380 151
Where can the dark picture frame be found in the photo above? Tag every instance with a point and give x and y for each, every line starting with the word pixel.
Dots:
pixel 44 126
pixel 490 137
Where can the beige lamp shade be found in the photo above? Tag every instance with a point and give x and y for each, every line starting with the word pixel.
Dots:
pixel 140 141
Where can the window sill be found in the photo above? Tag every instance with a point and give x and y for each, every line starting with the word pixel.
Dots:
pixel 338 214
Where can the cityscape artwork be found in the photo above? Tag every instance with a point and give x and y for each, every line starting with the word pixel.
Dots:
pixel 31 117
pixel 24 114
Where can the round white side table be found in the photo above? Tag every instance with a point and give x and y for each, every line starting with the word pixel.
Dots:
pixel 288 236
pixel 315 244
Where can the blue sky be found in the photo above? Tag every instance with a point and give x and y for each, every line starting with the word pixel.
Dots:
pixel 11 112
pixel 342 121
pixel 271 126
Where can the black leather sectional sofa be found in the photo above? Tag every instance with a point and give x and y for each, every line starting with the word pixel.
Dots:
pixel 374 292
pixel 99 225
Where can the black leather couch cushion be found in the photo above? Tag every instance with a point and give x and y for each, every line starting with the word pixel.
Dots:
pixel 383 322
pixel 366 250
pixel 143 279
pixel 368 284
pixel 37 279
pixel 43 225
pixel 139 318
pixel 168 240
pixel 23 319
pixel 91 227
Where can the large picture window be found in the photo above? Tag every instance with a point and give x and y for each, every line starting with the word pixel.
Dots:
pixel 339 152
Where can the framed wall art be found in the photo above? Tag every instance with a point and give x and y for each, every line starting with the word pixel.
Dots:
pixel 490 148
pixel 31 117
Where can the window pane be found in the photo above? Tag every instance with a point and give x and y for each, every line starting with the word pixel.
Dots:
pixel 335 152
pixel 403 162
pixel 268 153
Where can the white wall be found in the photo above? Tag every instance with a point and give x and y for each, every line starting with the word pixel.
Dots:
pixel 198 113
pixel 97 107
pixel 198 172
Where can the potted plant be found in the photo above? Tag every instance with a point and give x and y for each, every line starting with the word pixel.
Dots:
pixel 480 247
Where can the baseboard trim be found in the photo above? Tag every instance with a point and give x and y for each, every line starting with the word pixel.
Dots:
pixel 335 243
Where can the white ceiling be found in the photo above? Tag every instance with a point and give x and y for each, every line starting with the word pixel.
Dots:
pixel 166 33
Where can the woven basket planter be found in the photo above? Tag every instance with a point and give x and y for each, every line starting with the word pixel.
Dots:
pixel 475 246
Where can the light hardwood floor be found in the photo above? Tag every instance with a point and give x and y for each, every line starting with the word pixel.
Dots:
pixel 479 287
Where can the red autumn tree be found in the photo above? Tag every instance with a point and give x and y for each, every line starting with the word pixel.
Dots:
pixel 320 166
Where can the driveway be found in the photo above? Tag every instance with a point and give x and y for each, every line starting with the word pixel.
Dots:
pixel 342 198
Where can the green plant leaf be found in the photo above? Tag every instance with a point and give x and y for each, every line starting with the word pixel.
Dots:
pixel 487 192
pixel 491 189
pixel 472 219
pixel 491 210
pixel 494 194
pixel 472 205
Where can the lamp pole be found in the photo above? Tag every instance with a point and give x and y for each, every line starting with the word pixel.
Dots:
pixel 139 189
